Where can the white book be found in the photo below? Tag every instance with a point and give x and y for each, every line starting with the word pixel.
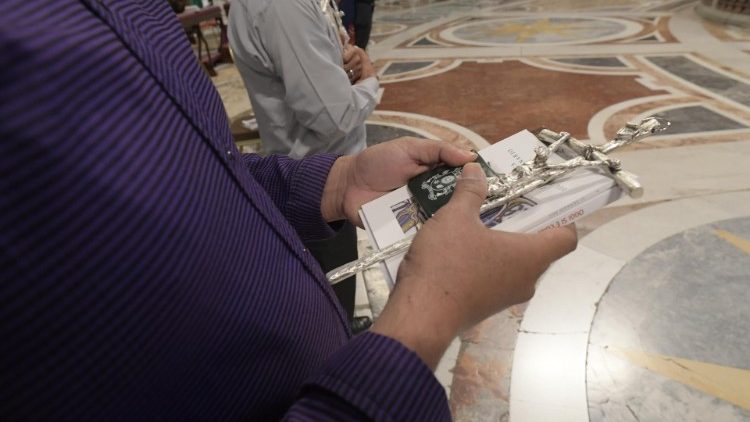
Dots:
pixel 395 215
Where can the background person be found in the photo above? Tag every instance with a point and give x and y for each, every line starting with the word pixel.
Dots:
pixel 311 93
pixel 365 9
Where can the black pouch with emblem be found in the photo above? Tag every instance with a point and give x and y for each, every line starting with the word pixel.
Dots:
pixel 434 188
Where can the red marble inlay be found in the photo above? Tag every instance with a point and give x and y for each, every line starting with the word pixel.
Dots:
pixel 499 99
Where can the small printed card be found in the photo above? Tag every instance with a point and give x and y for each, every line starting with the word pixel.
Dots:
pixel 432 189
pixel 401 213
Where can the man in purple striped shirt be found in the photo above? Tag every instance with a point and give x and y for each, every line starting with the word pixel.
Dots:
pixel 149 271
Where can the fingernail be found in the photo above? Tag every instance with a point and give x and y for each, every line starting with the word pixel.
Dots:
pixel 472 171
pixel 470 154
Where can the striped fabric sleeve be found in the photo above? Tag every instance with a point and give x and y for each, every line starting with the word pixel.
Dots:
pixel 296 187
pixel 372 378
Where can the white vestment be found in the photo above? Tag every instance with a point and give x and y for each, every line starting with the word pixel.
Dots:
pixel 290 59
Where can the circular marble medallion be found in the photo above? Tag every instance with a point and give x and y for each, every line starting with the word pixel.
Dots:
pixel 548 30
pixel 670 338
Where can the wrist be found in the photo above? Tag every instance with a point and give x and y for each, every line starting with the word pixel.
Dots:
pixel 422 325
pixel 332 202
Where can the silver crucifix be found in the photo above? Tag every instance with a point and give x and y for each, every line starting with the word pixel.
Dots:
pixel 537 172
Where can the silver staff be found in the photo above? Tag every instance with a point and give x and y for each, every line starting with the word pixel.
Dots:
pixel 537 172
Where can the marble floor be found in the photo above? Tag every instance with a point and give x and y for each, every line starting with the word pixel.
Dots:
pixel 649 320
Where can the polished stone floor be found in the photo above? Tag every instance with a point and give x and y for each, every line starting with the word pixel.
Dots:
pixel 649 320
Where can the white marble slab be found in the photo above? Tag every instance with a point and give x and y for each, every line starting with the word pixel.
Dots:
pixel 688 171
pixel 536 411
pixel 547 378
pixel 549 371
pixel 444 370
pixel 567 295
pixel 688 28
pixel 734 204
pixel 627 236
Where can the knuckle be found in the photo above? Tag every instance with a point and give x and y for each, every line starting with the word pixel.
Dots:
pixel 529 292
pixel 474 187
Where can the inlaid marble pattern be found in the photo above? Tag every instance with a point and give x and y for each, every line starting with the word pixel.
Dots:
pixel 706 78
pixel 425 41
pixel 553 30
pixel 405 70
pixel 549 371
pixel 403 67
pixel 595 62
pixel 522 64
pixel 381 133
pixel 232 90
pixel 684 299
pixel 495 99
pixel 697 119
pixel 427 127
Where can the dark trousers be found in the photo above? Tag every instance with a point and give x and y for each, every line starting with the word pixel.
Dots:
pixel 334 252
pixel 363 22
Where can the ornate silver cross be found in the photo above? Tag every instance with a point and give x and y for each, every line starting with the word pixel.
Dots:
pixel 532 174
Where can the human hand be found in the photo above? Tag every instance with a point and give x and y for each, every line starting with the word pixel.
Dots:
pixel 357 179
pixel 357 64
pixel 352 63
pixel 458 272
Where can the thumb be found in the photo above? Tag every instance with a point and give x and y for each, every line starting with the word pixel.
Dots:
pixel 552 244
pixel 471 189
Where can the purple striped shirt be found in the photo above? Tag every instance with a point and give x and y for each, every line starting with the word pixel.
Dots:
pixel 148 270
